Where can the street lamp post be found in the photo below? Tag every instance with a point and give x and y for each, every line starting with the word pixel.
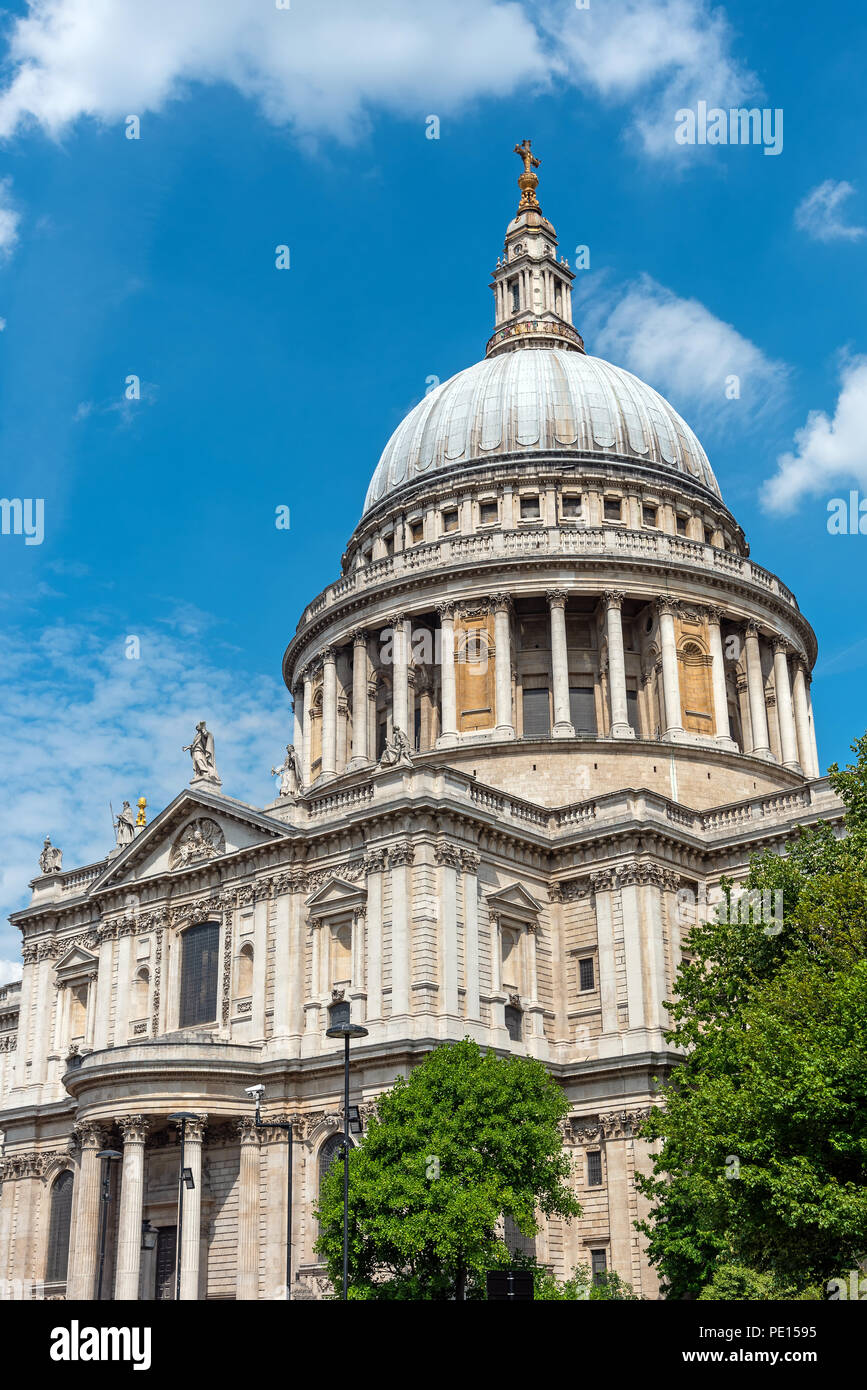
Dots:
pixel 185 1179
pixel 258 1092
pixel 108 1157
pixel 346 1031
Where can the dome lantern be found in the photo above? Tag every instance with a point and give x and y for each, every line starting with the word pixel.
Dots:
pixel 532 287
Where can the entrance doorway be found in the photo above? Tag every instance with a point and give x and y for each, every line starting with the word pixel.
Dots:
pixel 167 1247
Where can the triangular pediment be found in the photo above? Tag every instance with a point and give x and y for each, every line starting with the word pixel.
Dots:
pixel 195 829
pixel 76 961
pixel 335 896
pixel 515 901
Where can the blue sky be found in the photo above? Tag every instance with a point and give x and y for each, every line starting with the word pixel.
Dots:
pixel 307 127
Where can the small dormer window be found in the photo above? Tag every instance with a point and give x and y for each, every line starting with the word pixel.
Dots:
pixel 416 532
pixel 489 513
pixel 530 508
pixel 649 514
pixel 571 506
pixel 681 525
pixel 613 509
pixel 450 520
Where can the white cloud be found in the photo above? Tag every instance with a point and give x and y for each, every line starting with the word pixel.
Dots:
pixel 682 349
pixel 9 219
pixel 819 214
pixel 9 970
pixel 319 66
pixel 828 451
pixel 667 54
pixel 80 725
pixel 323 66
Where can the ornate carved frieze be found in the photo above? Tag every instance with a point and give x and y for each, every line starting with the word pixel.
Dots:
pixel 8 1044
pixel 33 1163
pixel 201 839
pixel 618 1124
pixel 448 855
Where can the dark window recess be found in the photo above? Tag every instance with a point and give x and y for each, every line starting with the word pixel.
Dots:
pixel 381 738
pixel 594 1170
pixel 516 1243
pixel 199 970
pixel 167 1244
pixel 416 728
pixel 330 1152
pixel 338 1014
pixel 514 1023
pixel 537 713
pixel 516 296
pixel 416 532
pixel 530 509
pixel 708 535
pixel 586 973
pixel 613 509
pixel 450 521
pixel 632 708
pixel 582 709
pixel 649 515
pixel 57 1260
pixel 598 1266
pixel 488 512
pixel 681 525
pixel 571 505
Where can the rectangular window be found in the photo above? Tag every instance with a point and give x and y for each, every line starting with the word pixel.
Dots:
pixel 598 1265
pixel 199 969
pixel 708 536
pixel 450 521
pixel 632 708
pixel 594 1174
pixel 530 510
pixel 586 978
pixel 489 512
pixel 571 504
pixel 681 525
pixel 582 708
pixel 515 291
pixel 513 1023
pixel 537 713
pixel 613 509
pixel 416 532
pixel 389 543
pixel 649 515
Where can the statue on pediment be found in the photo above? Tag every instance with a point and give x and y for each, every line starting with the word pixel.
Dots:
pixel 51 858
pixel 201 750
pixel 124 826
pixel 289 772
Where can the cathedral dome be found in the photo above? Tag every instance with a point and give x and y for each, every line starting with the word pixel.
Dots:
pixel 539 400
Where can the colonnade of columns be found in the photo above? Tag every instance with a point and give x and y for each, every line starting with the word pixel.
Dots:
pixel 791 681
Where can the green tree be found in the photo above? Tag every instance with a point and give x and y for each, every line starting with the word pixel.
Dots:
pixel 761 1179
pixel 581 1286
pixel 465 1139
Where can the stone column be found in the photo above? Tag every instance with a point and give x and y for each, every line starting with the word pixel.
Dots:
pixel 560 664
pixel 261 913
pixel 192 1237
pixel 84 1255
pixel 814 747
pixel 307 712
pixel 470 865
pixel 502 604
pixel 329 713
pixel 782 686
pixel 298 735
pixel 620 725
pixel 802 721
pixel 670 674
pixel 375 864
pixel 400 859
pixel 756 688
pixel 247 1285
pixel 360 756
pixel 400 674
pixel 134 1129
pixel 449 716
pixel 448 860
pixel 722 728
pixel 28 985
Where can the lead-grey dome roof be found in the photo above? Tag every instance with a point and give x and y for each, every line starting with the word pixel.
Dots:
pixel 538 399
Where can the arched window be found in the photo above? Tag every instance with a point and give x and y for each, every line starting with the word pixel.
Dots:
pixel 514 1023
pixel 141 990
pixel 57 1259
pixel 199 969
pixel 331 1150
pixel 245 972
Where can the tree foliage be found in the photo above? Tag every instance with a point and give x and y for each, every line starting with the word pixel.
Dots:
pixel 466 1138
pixel 761 1180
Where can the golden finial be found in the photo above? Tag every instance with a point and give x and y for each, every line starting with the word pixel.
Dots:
pixel 528 181
pixel 140 820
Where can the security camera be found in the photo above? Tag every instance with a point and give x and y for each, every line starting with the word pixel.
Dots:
pixel 257 1092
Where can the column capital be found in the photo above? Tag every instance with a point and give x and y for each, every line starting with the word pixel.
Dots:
pixel 446 612
pixel 328 656
pixel 613 598
pixel 195 1129
pixel 358 637
pixel 394 620
pixel 133 1128
pixel 666 604
pixel 248 1131
pixel 501 603
pixel 556 598
pixel 751 628
pixel 713 614
pixel 91 1133
pixel 781 645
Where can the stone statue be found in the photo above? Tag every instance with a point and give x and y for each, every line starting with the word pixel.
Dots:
pixel 397 750
pixel 51 858
pixel 289 773
pixel 201 750
pixel 124 826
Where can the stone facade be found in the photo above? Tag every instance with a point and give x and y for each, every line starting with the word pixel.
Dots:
pixel 548 704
